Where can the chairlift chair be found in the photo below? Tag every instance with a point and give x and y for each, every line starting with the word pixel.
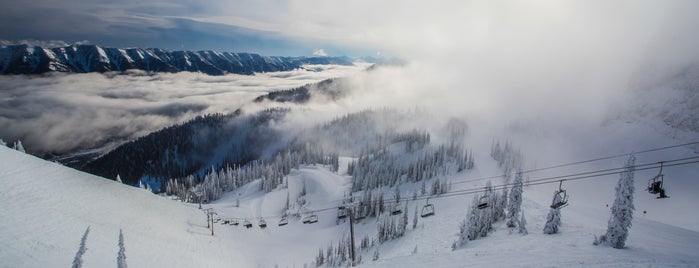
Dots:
pixel 314 218
pixel 396 209
pixel 483 202
pixel 310 219
pixel 262 223
pixel 283 221
pixel 655 185
pixel 234 222
pixel 247 224
pixel 226 221
pixel 341 212
pixel 427 209
pixel 560 197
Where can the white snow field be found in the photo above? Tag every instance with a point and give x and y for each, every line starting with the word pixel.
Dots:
pixel 47 207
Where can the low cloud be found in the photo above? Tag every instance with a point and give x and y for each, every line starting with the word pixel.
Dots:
pixel 320 52
pixel 64 112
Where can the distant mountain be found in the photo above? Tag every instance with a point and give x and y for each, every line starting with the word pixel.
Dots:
pixel 25 59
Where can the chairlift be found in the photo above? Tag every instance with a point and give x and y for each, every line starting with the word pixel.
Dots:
pixel 655 185
pixel 427 209
pixel 483 202
pixel 396 209
pixel 560 197
pixel 310 219
pixel 341 212
pixel 226 221
pixel 247 224
pixel 262 223
pixel 234 222
pixel 283 221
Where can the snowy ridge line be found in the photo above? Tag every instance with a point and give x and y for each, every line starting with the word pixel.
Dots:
pixel 542 181
pixel 582 162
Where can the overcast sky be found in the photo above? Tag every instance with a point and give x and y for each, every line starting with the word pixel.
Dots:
pixel 358 27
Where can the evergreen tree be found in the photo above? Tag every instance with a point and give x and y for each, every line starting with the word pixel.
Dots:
pixel 622 209
pixel 287 205
pixel 500 205
pixel 18 146
pixel 121 257
pixel 468 230
pixel 514 203
pixel 303 188
pixel 320 259
pixel 415 219
pixel 404 222
pixel 523 225
pixel 118 179
pixel 78 260
pixel 553 221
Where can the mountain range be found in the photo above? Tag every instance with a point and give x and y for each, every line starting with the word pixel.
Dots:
pixel 25 59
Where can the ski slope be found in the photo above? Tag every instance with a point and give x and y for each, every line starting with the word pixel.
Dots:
pixel 47 207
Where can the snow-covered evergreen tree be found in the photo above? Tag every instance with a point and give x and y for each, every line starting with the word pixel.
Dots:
pixel 121 257
pixel 553 221
pixel 514 203
pixel 301 199
pixel 118 179
pixel 622 209
pixel 523 225
pixel 415 218
pixel 500 205
pixel 78 260
pixel 320 258
pixel 287 205
pixel 403 225
pixel 303 188
pixel 468 230
pixel 18 146
pixel 486 215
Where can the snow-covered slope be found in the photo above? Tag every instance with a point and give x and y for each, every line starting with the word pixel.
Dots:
pixel 47 207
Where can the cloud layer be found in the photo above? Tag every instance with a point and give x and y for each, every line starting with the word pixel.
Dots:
pixel 63 112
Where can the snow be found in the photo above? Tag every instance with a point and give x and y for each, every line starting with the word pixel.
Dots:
pixel 47 208
pixel 102 55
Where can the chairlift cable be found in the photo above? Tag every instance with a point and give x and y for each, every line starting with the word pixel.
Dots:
pixel 584 161
pixel 535 182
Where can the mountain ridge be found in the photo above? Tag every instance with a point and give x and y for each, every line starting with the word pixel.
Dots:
pixel 26 59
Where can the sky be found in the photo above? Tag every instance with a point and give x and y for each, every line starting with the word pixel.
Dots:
pixel 409 29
